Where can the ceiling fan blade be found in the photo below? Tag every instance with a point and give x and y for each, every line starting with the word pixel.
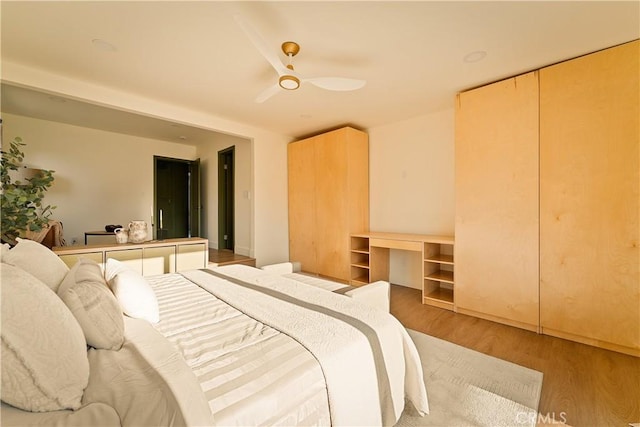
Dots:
pixel 336 83
pixel 260 44
pixel 267 93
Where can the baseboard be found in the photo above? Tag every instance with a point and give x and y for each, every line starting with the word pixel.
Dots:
pixel 592 342
pixel 509 322
pixel 240 250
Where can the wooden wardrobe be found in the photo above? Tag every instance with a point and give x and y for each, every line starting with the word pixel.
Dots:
pixel 496 226
pixel 548 200
pixel 328 177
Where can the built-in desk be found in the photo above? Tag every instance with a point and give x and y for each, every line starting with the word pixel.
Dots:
pixel 370 262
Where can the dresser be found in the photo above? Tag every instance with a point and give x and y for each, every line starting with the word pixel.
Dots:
pixel 147 258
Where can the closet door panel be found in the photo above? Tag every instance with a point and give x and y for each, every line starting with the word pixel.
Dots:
pixel 590 205
pixel 302 204
pixel 331 208
pixel 358 182
pixel 496 225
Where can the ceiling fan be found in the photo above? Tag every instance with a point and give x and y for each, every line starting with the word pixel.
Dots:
pixel 288 79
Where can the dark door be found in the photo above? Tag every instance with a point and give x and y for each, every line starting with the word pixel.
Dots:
pixel 177 198
pixel 226 200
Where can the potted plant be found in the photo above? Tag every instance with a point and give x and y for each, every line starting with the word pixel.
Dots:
pixel 21 194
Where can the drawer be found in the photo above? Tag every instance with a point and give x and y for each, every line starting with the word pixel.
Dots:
pixel 396 244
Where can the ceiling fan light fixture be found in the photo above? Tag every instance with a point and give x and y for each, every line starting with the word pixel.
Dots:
pixel 289 82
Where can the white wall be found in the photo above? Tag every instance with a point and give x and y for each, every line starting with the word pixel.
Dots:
pixel 101 177
pixel 269 216
pixel 411 178
pixel 411 166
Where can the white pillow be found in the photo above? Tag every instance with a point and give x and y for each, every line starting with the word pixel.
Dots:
pixel 374 294
pixel 44 354
pixel 39 261
pixel 86 293
pixel 132 291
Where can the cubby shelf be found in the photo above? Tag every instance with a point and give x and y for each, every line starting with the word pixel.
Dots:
pixel 441 258
pixel 370 262
pixel 438 284
pixel 441 276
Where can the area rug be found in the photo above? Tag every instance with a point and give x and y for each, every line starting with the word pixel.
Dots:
pixel 467 388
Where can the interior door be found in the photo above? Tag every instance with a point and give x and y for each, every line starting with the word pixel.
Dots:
pixel 177 198
pixel 226 199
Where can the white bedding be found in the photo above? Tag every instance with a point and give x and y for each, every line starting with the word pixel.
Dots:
pixel 250 373
pixel 145 383
pixel 248 348
pixel 351 341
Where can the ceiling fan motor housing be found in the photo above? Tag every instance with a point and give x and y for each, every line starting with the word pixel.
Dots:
pixel 290 48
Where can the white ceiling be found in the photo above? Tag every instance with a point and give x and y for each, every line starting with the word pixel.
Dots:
pixel 195 55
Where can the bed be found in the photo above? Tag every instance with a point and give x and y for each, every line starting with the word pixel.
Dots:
pixel 232 345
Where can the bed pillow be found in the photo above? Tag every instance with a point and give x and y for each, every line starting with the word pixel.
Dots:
pixel 44 354
pixel 86 293
pixel 4 250
pixel 132 291
pixel 39 261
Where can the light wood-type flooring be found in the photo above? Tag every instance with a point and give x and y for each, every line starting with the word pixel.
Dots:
pixel 226 257
pixel 582 385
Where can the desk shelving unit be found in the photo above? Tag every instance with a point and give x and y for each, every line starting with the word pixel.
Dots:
pixel 360 257
pixel 370 262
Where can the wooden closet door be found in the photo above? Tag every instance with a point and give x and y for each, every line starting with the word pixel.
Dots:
pixel 331 205
pixel 496 227
pixel 590 205
pixel 302 204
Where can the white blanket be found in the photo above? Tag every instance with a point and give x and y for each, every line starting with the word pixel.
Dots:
pixel 368 359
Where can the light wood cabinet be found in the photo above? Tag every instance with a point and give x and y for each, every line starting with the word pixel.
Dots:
pixel 496 222
pixel 302 205
pixel 328 199
pixel 590 203
pixel 548 200
pixel 147 258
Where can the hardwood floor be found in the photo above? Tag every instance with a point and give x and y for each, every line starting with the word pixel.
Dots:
pixel 582 385
pixel 226 257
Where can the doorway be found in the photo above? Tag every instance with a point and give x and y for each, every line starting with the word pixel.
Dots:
pixel 177 210
pixel 226 199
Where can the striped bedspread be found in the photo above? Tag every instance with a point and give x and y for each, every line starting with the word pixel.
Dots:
pixel 268 350
pixel 250 373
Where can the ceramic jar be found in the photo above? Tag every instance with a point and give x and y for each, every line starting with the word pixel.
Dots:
pixel 137 231
pixel 122 235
